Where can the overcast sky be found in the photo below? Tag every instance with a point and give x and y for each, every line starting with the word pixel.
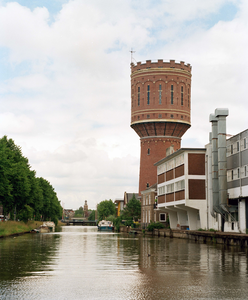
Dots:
pixel 65 82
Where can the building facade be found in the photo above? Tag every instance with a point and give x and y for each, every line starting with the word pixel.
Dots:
pixel 160 111
pixel 149 211
pixel 182 188
pixel 119 203
pixel 237 177
pixel 207 188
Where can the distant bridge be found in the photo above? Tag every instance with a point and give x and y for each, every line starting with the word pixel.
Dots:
pixel 81 222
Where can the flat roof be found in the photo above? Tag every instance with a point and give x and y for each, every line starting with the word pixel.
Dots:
pixel 177 153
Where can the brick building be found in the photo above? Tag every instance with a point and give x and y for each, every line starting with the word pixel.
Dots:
pixel 160 111
pixel 149 211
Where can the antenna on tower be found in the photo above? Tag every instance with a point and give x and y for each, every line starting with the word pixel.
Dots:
pixel 132 51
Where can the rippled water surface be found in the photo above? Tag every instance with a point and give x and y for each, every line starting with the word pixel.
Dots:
pixel 82 263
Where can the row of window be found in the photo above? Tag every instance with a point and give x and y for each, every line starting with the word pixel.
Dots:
pixel 170 188
pixel 171 164
pixel 171 116
pixel 148 92
pixel 237 173
pixel 146 217
pixel 147 199
pixel 237 146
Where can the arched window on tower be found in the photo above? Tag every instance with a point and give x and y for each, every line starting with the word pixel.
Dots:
pixel 181 95
pixel 138 96
pixel 160 94
pixel 148 94
pixel 172 91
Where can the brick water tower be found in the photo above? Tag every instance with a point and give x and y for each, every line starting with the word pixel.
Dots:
pixel 160 113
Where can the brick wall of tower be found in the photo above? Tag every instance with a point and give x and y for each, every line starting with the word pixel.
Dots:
pixel 151 151
pixel 156 118
pixel 160 76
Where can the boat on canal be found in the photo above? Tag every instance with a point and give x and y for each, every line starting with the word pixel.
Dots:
pixel 105 226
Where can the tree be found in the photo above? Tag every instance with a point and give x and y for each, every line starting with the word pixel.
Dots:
pixel 20 191
pixel 105 208
pixel 79 213
pixel 132 209
pixel 92 216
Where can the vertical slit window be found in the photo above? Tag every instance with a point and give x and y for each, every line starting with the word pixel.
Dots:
pixel 172 91
pixel 181 95
pixel 160 94
pixel 138 96
pixel 237 146
pixel 188 97
pixel 244 143
pixel 238 173
pixel 148 94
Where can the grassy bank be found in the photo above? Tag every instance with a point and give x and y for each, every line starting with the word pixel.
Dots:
pixel 12 227
pixel 61 223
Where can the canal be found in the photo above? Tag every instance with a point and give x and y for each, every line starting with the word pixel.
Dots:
pixel 80 263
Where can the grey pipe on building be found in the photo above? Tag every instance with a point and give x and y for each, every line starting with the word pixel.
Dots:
pixel 215 179
pixel 221 114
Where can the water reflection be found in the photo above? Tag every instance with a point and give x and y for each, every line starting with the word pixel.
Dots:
pixel 81 263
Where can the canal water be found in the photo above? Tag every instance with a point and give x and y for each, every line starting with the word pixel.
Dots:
pixel 81 263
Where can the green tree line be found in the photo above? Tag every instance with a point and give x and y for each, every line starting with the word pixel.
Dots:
pixel 22 194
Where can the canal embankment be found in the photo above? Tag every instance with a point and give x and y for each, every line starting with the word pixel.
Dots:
pixel 212 237
pixel 12 228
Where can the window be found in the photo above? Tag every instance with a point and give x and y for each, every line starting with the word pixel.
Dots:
pixel 148 116
pixel 180 185
pixel 159 116
pixel 161 190
pixel 181 95
pixel 172 91
pixel 231 149
pixel 170 188
pixel 162 217
pixel 245 144
pixel 232 174
pixel 148 94
pixel 238 172
pixel 160 94
pixel 237 146
pixel 148 151
pixel 138 96
pixel 245 171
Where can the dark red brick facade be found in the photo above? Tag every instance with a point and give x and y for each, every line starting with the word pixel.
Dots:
pixel 160 114
pixel 157 150
pixel 196 164
pixel 197 189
